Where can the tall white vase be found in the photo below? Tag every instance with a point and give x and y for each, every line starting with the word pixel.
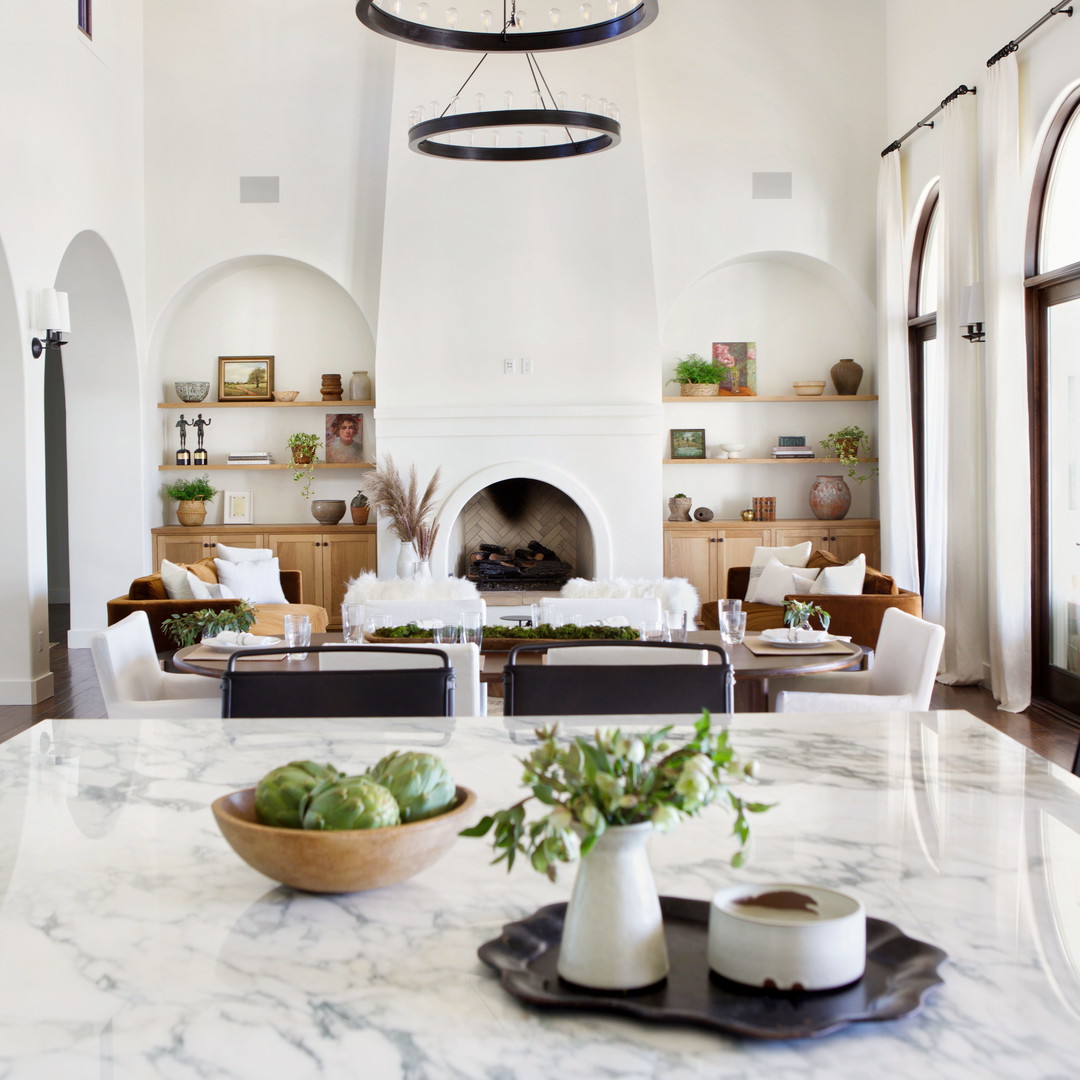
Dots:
pixel 406 560
pixel 613 937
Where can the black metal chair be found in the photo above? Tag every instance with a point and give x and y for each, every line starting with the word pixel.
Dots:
pixel 648 685
pixel 1076 762
pixel 283 690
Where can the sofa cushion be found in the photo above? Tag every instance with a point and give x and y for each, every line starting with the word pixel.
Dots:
pixel 875 583
pixel 846 580
pixel 270 618
pixel 258 581
pixel 150 587
pixel 795 555
pixel 778 580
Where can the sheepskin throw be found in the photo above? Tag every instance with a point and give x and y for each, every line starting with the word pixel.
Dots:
pixel 674 594
pixel 367 587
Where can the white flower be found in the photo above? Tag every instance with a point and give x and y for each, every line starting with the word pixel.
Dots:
pixel 634 750
pixel 560 819
pixel 665 818
pixel 693 786
pixel 752 768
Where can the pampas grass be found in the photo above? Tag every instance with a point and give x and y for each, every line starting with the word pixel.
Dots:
pixel 411 514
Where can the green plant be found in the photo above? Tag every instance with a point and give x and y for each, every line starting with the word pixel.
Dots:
pixel 797 612
pixel 680 496
pixel 696 369
pixel 419 782
pixel 617 778
pixel 281 796
pixel 305 451
pixel 545 631
pixel 196 490
pixel 188 628
pixel 845 445
pixel 353 802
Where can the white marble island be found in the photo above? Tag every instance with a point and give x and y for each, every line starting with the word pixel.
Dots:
pixel 135 943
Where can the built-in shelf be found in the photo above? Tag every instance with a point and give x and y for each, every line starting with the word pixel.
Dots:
pixel 319 465
pixel 762 461
pixel 335 405
pixel 804 398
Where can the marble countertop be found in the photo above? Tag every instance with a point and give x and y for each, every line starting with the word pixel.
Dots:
pixel 135 943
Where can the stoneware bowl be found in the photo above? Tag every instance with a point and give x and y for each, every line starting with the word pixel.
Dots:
pixel 787 937
pixel 328 511
pixel 191 390
pixel 286 395
pixel 349 860
pixel 733 449
pixel 809 389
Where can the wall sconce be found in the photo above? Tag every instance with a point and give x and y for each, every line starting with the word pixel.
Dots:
pixel 49 312
pixel 972 313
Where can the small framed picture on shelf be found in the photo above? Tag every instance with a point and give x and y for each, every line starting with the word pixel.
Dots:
pixel 688 442
pixel 344 438
pixel 239 509
pixel 740 358
pixel 245 378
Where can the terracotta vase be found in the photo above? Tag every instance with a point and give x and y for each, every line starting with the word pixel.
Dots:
pixel 846 376
pixel 359 509
pixel 191 512
pixel 830 498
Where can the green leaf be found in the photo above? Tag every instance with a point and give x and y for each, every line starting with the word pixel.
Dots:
pixel 544 793
pixel 480 828
pixel 738 859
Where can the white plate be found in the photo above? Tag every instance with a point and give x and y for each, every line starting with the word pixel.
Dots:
pixel 780 638
pixel 227 647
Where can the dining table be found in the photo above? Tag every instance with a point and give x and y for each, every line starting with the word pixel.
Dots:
pixel 137 944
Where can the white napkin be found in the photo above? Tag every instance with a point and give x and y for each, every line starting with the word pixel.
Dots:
pixel 233 637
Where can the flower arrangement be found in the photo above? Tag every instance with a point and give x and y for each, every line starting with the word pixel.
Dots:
pixel 617 778
pixel 798 613
pixel 411 513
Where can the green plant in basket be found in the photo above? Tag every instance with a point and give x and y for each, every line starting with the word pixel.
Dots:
pixel 696 369
pixel 618 778
pixel 192 626
pixel 198 489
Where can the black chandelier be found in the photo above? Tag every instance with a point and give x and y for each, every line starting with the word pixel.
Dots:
pixel 418 22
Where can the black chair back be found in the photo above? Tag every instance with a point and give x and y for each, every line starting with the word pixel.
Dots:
pixel 285 690
pixel 1076 762
pixel 534 689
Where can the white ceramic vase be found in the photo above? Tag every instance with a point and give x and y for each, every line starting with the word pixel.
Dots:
pixel 613 937
pixel 406 560
pixel 422 570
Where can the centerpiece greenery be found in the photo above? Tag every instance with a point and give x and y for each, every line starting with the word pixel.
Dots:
pixel 192 626
pixel 798 613
pixel 545 632
pixel 846 445
pixel 589 785
pixel 305 451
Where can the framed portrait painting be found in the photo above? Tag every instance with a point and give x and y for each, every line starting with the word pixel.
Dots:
pixel 245 378
pixel 344 438
pixel 687 442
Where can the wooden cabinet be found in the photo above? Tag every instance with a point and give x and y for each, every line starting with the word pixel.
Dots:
pixel 326 556
pixel 844 539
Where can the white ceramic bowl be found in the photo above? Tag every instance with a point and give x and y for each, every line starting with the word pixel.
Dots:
pixel 787 937
pixel 809 388
pixel 733 448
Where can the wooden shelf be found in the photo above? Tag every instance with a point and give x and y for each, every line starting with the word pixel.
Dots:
pixel 805 399
pixel 762 461
pixel 336 405
pixel 291 466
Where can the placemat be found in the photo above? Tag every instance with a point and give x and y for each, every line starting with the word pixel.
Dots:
pixel 201 652
pixel 760 647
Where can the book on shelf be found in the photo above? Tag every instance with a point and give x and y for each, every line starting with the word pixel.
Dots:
pixel 251 457
pixel 792 452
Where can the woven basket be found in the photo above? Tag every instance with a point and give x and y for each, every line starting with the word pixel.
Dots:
pixel 699 389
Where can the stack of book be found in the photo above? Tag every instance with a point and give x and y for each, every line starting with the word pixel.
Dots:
pixel 251 457
pixel 792 452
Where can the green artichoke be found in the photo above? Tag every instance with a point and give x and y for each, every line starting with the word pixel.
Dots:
pixel 419 782
pixel 353 802
pixel 281 795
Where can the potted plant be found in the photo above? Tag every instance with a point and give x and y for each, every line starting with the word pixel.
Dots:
pixel 698 377
pixel 305 451
pixel 359 508
pixel 602 797
pixel 191 497
pixel 679 507
pixel 798 613
pixel 846 445
pixel 411 514
pixel 192 626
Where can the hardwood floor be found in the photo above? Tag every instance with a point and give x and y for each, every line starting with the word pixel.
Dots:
pixel 77 695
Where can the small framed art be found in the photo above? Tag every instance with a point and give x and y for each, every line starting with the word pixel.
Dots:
pixel 238 508
pixel 740 358
pixel 344 438
pixel 688 442
pixel 245 378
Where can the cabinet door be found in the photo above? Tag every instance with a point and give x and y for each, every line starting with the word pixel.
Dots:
pixel 818 535
pixel 297 551
pixel 188 548
pixel 343 558
pixel 736 548
pixel 693 555
pixel 848 541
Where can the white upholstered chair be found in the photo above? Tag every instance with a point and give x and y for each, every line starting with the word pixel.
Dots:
pixel 133 683
pixel 902 675
pixel 635 610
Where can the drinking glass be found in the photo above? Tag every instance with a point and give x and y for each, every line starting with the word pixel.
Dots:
pixel 297 634
pixel 352 623
pixel 675 626
pixel 472 628
pixel 374 623
pixel 732 627
pixel 651 630
pixel 535 615
pixel 445 635
pixel 728 604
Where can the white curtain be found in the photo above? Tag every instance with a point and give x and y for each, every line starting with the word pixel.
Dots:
pixel 964 615
pixel 1008 518
pixel 899 546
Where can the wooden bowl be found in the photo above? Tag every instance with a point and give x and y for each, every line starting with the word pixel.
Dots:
pixel 349 860
pixel 286 395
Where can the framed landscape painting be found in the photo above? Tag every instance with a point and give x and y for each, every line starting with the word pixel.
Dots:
pixel 687 442
pixel 245 378
pixel 743 354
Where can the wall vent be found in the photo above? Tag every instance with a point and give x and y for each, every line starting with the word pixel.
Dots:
pixel 772 185
pixel 255 189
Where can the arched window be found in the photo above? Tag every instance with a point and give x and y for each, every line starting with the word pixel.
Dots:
pixel 1053 288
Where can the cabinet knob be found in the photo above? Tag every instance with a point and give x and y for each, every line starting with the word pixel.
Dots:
pixel 205 544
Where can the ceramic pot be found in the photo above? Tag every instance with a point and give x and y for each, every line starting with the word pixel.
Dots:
pixel 846 376
pixel 359 509
pixel 328 511
pixel 191 511
pixel 422 570
pixel 679 509
pixel 699 389
pixel 406 560
pixel 359 386
pixel 613 937
pixel 830 498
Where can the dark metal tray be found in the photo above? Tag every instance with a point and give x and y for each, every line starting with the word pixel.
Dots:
pixel 899 972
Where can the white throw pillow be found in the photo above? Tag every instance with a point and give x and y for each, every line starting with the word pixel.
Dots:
pixel 207 590
pixel 238 554
pixel 796 555
pixel 846 580
pixel 175 580
pixel 258 581
pixel 778 581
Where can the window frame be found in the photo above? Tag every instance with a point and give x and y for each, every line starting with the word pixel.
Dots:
pixel 86 18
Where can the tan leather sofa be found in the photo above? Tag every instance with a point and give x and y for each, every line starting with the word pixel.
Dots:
pixel 858 616
pixel 148 594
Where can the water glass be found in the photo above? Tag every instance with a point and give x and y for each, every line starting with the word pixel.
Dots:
pixel 472 628
pixel 732 627
pixel 374 623
pixel 445 635
pixel 651 630
pixel 675 626
pixel 535 615
pixel 297 634
pixel 728 604
pixel 352 623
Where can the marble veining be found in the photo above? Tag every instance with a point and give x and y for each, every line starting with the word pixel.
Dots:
pixel 136 944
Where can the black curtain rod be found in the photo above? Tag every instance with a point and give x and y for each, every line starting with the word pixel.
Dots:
pixel 1064 8
pixel 927 120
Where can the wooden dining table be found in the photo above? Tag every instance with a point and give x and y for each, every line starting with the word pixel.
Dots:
pixel 752 672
